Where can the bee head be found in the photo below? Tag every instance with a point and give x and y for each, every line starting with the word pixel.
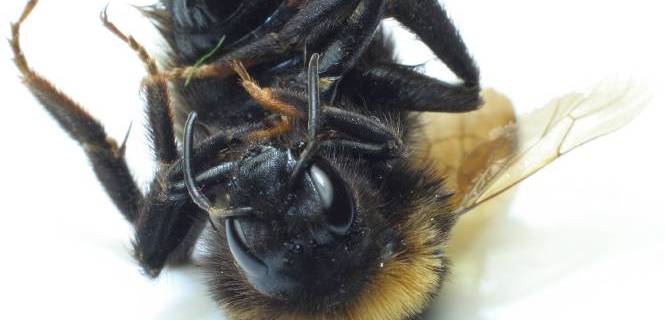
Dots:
pixel 290 243
pixel 297 232
pixel 302 232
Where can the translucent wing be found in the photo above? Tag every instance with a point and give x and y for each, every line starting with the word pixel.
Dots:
pixel 511 152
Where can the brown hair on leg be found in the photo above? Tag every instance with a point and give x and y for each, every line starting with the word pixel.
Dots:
pixel 280 128
pixel 156 91
pixel 264 96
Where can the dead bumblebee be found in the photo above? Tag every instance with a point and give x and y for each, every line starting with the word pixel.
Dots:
pixel 325 195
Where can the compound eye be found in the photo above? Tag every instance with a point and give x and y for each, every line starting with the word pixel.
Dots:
pixel 335 198
pixel 249 263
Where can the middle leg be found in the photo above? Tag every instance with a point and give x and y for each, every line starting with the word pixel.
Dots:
pixel 428 20
pixel 392 86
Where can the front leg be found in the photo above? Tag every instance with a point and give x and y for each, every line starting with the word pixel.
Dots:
pixel 167 228
pixel 163 216
pixel 169 223
pixel 105 154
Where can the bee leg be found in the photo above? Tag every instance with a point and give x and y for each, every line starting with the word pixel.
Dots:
pixel 106 156
pixel 384 150
pixel 155 88
pixel 350 42
pixel 371 136
pixel 158 211
pixel 305 25
pixel 214 175
pixel 346 48
pixel 166 228
pixel 170 222
pixel 209 146
pixel 275 22
pixel 175 213
pixel 192 28
pixel 394 86
pixel 281 127
pixel 314 19
pixel 356 124
pixel 267 98
pixel 428 20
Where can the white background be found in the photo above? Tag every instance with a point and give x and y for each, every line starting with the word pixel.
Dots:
pixel 582 239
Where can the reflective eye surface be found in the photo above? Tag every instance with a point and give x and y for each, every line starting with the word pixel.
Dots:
pixel 335 198
pixel 323 186
pixel 252 266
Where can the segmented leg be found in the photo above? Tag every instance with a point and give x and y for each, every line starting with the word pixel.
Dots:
pixel 265 97
pixel 357 125
pixel 106 156
pixel 392 86
pixel 192 27
pixel 428 20
pixel 275 22
pixel 170 222
pixel 380 150
pixel 165 222
pixel 403 88
pixel 374 137
pixel 158 102
pixel 168 225
pixel 314 19
pixel 353 38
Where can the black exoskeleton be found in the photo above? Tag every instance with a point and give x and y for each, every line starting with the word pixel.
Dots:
pixel 313 203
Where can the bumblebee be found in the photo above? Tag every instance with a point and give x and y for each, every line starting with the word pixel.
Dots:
pixel 320 191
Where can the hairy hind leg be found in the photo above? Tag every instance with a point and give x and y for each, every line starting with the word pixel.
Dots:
pixel 106 156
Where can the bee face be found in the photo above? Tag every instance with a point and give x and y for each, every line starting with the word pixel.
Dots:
pixel 311 241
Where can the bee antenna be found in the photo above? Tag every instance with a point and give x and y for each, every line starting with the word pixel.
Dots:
pixel 197 196
pixel 314 104
pixel 313 118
